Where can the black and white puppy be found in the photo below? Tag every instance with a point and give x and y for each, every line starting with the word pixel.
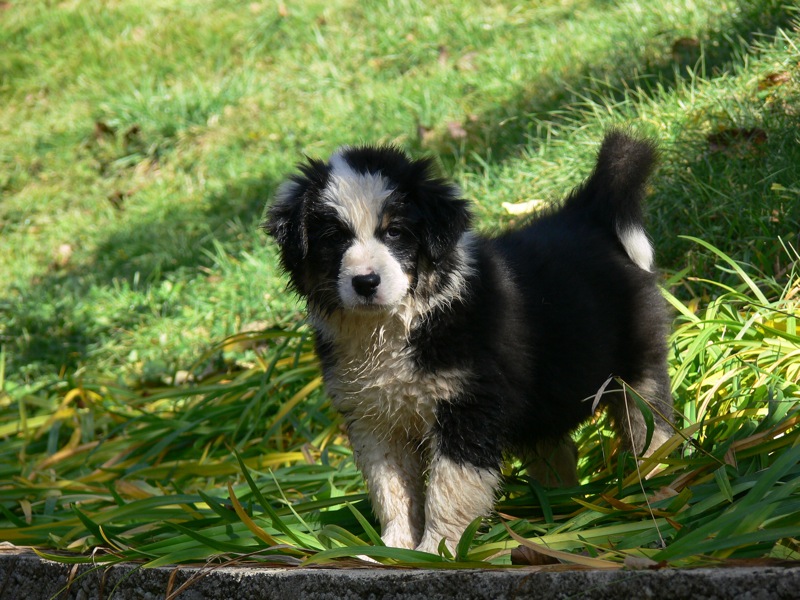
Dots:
pixel 443 349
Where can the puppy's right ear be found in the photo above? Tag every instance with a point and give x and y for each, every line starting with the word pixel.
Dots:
pixel 287 217
pixel 286 222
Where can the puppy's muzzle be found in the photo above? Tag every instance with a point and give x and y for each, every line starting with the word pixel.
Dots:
pixel 366 285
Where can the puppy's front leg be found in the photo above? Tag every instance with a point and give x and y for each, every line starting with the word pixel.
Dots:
pixel 393 470
pixel 458 493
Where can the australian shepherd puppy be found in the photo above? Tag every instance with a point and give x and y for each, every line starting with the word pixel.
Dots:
pixel 444 350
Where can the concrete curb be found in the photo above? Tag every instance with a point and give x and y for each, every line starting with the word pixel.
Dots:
pixel 24 576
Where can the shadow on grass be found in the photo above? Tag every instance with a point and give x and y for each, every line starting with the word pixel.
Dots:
pixel 734 191
pixel 52 328
pixel 497 134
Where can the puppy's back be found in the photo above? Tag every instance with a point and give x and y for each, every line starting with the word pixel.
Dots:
pixel 586 271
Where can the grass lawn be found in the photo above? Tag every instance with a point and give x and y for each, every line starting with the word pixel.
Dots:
pixel 139 144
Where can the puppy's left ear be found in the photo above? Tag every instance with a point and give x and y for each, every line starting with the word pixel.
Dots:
pixel 445 215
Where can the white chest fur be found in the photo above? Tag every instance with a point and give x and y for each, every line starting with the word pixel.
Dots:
pixel 375 378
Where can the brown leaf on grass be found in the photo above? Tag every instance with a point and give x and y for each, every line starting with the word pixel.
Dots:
pixel 102 130
pixel 467 62
pixel 61 257
pixel 641 563
pixel 248 337
pixel 182 377
pixel 308 453
pixel 132 133
pixel 456 130
pixel 730 458
pixel 736 139
pixel 117 199
pixel 444 56
pixel 5 5
pixel 685 49
pixel 774 79
pixel 425 134
pixel 662 493
pixel 525 555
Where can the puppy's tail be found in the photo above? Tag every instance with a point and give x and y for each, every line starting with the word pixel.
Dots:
pixel 613 194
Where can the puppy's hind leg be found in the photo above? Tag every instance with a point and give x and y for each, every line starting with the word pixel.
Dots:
pixel 553 463
pixel 629 421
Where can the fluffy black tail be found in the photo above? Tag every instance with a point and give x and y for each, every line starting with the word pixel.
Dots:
pixel 612 196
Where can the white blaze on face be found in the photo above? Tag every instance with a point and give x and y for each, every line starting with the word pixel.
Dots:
pixel 358 199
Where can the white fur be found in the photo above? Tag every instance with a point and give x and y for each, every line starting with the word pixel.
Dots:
pixel 367 257
pixel 637 246
pixel 456 495
pixel 388 402
pixel 357 198
pixel 393 471
pixel 389 405
pixel 375 377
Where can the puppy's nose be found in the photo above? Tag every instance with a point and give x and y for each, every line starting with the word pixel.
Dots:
pixel 366 285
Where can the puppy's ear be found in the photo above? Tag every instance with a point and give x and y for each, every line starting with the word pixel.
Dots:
pixel 286 223
pixel 287 217
pixel 444 215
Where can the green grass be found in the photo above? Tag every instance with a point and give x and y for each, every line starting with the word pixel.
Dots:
pixel 139 144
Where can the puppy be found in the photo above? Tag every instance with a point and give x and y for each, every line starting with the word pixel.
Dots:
pixel 443 349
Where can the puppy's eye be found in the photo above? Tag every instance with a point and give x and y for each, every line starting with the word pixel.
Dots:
pixel 336 234
pixel 393 232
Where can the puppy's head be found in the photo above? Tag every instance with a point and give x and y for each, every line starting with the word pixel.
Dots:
pixel 358 231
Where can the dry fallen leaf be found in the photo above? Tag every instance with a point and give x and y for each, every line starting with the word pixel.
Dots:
pixel 639 563
pixel 523 208
pixel 444 56
pixel 524 555
pixel 736 139
pixel 774 79
pixel 467 62
pixel 425 134
pixel 102 129
pixel 456 130
pixel 61 256
pixel 662 493
pixel 132 133
pixel 685 49
pixel 117 199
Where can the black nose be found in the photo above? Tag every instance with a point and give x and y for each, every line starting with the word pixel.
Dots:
pixel 366 285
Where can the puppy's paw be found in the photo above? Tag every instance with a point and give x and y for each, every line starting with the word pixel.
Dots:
pixel 430 543
pixel 398 538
